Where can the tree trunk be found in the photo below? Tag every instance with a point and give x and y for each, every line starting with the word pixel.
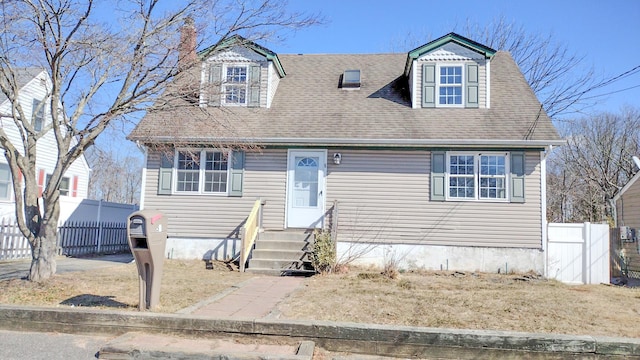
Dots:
pixel 43 253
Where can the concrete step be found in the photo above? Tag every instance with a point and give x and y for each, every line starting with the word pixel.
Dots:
pixel 281 272
pixel 282 245
pixel 277 264
pixel 287 235
pixel 292 255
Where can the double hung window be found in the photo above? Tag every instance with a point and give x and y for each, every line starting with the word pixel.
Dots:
pixel 475 176
pixel 235 85
pixel 450 86
pixel 64 187
pixel 201 172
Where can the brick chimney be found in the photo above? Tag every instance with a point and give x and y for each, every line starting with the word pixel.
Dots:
pixel 187 47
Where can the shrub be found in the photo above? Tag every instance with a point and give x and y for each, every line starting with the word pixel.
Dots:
pixel 324 252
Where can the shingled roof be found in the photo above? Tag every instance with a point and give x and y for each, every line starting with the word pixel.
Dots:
pixel 22 77
pixel 309 108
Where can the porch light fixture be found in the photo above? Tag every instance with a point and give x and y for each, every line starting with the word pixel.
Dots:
pixel 337 158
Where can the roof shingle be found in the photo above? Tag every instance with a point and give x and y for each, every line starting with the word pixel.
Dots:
pixel 308 104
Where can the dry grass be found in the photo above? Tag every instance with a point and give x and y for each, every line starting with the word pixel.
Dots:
pixel 469 301
pixel 184 283
pixel 430 299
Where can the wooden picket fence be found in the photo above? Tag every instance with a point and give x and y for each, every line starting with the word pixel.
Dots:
pixel 12 244
pixel 74 239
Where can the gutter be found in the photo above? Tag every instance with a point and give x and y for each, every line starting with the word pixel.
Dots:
pixel 391 143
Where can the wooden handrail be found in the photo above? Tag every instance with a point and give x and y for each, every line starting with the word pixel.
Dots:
pixel 250 233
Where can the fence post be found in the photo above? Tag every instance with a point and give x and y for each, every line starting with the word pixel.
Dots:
pixel 99 240
pixel 587 253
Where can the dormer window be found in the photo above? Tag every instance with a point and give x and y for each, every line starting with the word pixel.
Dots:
pixel 235 87
pixel 450 86
pixel 233 84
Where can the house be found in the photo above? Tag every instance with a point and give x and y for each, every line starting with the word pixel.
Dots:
pixel 33 84
pixel 435 157
pixel 627 202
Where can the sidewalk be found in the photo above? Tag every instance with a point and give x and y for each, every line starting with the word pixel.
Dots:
pixel 243 322
pixel 19 269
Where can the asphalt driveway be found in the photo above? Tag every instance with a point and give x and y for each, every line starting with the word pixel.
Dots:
pixel 18 269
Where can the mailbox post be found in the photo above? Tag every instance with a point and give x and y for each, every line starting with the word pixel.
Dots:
pixel 147 236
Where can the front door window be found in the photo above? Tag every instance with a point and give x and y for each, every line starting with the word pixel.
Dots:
pixel 305 192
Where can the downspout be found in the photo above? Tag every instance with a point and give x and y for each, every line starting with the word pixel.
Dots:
pixel 143 181
pixel 543 212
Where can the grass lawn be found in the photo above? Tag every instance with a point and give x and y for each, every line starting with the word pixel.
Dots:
pixel 430 299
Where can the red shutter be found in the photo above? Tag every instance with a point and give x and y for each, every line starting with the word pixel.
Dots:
pixel 74 191
pixel 40 181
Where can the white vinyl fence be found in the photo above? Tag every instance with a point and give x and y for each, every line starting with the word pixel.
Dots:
pixel 578 253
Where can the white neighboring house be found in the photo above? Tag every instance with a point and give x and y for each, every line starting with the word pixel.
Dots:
pixel 34 83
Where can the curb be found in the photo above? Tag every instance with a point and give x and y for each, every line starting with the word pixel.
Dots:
pixel 332 336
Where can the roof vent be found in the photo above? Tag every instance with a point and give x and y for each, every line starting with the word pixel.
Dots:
pixel 351 79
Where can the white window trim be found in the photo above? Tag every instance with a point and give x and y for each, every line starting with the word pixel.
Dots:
pixel 225 66
pixel 476 176
pixel 201 173
pixel 462 84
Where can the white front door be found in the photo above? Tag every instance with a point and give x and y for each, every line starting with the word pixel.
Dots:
pixel 305 188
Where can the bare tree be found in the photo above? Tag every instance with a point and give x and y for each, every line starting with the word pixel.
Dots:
pixel 559 77
pixel 596 163
pixel 114 177
pixel 102 71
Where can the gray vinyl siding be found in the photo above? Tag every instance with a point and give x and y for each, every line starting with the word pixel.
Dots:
pixel 383 196
pixel 215 216
pixel 628 207
pixel 266 178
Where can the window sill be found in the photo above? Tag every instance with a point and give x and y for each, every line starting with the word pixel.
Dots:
pixel 501 201
pixel 193 193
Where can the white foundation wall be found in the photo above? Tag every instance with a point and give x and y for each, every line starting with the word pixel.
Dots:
pixel 433 257
pixel 202 248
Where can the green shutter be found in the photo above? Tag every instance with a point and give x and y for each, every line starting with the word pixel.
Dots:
pixel 517 177
pixel 428 85
pixel 254 86
pixel 472 86
pixel 215 83
pixel 164 175
pixel 236 173
pixel 438 172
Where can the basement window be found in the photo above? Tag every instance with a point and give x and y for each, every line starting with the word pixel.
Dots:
pixel 351 79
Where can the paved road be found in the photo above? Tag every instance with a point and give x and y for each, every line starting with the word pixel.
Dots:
pixel 18 269
pixel 48 346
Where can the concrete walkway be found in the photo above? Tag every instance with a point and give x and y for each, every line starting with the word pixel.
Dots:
pixel 255 298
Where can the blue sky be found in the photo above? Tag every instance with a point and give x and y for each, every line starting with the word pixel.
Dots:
pixel 606 33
